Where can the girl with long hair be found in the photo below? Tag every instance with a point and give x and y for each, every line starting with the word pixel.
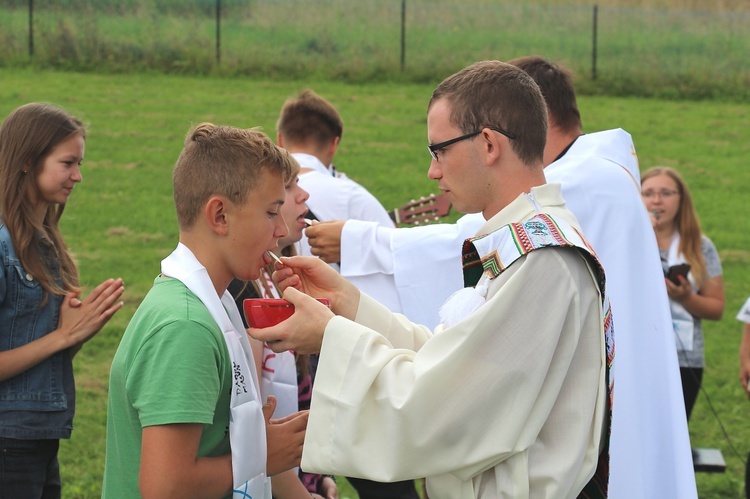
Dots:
pixel 699 294
pixel 43 322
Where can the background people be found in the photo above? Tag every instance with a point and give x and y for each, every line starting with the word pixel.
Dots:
pixel 744 316
pixel 700 295
pixel 44 323
pixel 311 129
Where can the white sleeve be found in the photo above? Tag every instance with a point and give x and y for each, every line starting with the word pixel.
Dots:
pixel 364 206
pixel 367 261
pixel 427 265
pixel 744 313
pixel 366 249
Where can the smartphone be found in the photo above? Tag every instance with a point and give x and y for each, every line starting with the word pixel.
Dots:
pixel 678 270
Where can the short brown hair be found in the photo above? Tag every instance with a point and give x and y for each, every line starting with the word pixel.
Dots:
pixel 309 118
pixel 225 161
pixel 496 94
pixel 556 84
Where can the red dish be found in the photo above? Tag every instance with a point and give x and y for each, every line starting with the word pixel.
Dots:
pixel 265 312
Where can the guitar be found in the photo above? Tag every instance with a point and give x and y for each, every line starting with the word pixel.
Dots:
pixel 424 210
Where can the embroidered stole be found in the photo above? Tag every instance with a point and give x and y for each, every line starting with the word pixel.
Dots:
pixel 491 254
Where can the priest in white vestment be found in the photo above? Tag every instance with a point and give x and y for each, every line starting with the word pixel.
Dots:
pixel 650 447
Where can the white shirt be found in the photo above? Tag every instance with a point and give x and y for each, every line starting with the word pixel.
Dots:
pixel 650 445
pixel 340 198
pixel 510 402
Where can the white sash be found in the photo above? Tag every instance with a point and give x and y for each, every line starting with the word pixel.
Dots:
pixel 682 320
pixel 279 378
pixel 247 432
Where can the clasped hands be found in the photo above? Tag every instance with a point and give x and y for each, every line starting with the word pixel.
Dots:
pixel 303 278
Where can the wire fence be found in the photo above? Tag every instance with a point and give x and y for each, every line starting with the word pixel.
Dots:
pixel 613 50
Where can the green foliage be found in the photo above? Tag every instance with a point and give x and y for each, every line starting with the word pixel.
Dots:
pixel 121 221
pixel 643 51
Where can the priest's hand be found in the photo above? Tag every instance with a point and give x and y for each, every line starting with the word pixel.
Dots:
pixel 315 278
pixel 284 439
pixel 325 240
pixel 303 331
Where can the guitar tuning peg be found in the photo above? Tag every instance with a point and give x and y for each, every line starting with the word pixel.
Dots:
pixel 416 223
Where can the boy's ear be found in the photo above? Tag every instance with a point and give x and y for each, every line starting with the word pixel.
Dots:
pixel 216 215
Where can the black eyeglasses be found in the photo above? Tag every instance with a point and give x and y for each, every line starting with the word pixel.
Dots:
pixel 434 148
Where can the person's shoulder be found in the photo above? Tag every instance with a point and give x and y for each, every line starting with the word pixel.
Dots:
pixel 169 300
pixel 4 233
pixel 315 179
pixel 707 245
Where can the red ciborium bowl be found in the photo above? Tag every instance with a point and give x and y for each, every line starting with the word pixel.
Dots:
pixel 265 312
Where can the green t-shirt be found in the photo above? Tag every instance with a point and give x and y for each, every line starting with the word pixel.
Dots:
pixel 172 366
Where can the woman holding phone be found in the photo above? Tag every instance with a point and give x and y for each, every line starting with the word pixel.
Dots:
pixel 692 270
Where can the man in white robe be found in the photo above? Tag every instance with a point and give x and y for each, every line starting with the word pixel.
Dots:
pixel 511 400
pixel 650 446
pixel 311 129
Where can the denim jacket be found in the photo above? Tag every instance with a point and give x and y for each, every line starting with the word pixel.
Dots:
pixel 38 403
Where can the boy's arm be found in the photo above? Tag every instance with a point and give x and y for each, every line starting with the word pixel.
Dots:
pixel 745 359
pixel 284 439
pixel 287 485
pixel 170 468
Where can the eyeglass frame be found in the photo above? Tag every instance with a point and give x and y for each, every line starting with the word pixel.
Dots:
pixel 660 193
pixel 433 148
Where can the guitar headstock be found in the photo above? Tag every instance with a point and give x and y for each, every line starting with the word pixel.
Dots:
pixel 425 210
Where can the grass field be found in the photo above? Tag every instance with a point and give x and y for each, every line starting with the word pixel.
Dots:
pixel 120 221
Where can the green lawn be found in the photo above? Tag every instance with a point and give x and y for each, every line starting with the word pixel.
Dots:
pixel 121 222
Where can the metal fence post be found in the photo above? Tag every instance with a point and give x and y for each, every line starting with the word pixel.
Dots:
pixel 593 50
pixel 403 34
pixel 31 28
pixel 218 32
